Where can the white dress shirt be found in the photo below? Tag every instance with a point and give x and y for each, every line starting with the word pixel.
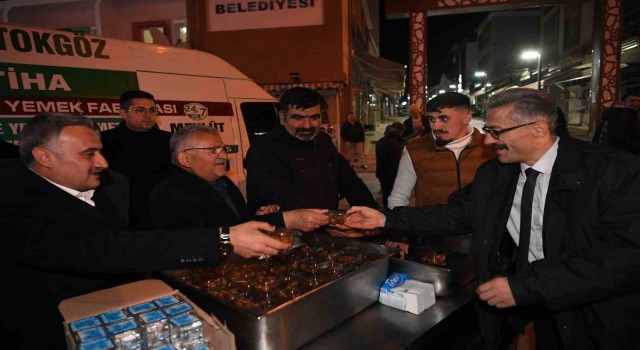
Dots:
pixel 544 165
pixel 83 196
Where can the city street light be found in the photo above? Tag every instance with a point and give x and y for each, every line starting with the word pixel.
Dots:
pixel 529 55
pixel 483 75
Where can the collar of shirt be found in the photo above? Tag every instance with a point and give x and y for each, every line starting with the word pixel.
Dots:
pixel 83 196
pixel 461 142
pixel 544 165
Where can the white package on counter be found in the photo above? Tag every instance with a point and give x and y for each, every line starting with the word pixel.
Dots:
pixel 401 292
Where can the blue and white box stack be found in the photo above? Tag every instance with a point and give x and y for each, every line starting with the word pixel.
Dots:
pixel 146 315
pixel 401 292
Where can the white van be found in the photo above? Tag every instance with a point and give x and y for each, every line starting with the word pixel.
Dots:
pixel 43 70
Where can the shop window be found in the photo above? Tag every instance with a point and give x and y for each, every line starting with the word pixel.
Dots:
pixel 179 33
pixel 152 32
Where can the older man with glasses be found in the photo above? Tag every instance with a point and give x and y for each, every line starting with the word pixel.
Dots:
pixel 139 150
pixel 197 193
pixel 556 223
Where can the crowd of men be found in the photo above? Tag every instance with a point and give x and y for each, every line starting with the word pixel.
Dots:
pixel 556 221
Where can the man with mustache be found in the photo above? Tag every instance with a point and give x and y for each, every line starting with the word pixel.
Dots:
pixel 436 166
pixel 556 225
pixel 139 150
pixel 64 233
pixel 197 192
pixel 297 166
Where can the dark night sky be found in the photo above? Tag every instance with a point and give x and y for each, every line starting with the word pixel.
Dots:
pixel 442 33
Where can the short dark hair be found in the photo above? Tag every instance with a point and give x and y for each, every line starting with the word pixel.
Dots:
pixel 301 98
pixel 182 135
pixel 125 98
pixel 527 104
pixel 630 93
pixel 448 100
pixel 45 127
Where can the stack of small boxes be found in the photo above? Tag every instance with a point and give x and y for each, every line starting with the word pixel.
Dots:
pixel 164 323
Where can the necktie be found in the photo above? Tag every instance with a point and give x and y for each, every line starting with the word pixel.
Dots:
pixel 525 219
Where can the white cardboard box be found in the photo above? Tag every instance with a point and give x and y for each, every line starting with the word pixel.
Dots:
pixel 412 296
pixel 96 303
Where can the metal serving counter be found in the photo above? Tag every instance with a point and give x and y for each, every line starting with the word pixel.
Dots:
pixel 383 327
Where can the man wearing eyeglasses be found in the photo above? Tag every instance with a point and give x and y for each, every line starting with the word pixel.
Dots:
pixel 64 235
pixel 297 166
pixel 197 192
pixel 445 161
pixel 139 150
pixel 556 225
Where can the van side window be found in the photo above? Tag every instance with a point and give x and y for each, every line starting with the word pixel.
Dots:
pixel 259 117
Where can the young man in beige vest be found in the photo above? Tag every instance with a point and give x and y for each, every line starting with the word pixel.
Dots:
pixel 437 166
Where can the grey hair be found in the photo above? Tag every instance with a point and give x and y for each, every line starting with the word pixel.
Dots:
pixel 46 127
pixel 527 105
pixel 181 137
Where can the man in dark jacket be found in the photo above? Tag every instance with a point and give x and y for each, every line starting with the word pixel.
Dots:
pixel 352 133
pixel 620 125
pixel 297 166
pixel 576 276
pixel 8 150
pixel 139 150
pixel 388 153
pixel 63 233
pixel 197 192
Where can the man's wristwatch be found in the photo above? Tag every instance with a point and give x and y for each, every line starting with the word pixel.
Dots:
pixel 226 247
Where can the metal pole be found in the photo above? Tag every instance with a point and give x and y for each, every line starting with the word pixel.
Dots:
pixel 539 71
pixel 540 46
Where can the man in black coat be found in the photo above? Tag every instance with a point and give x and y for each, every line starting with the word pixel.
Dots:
pixel 297 166
pixel 139 150
pixel 197 192
pixel 577 278
pixel 64 233
pixel 352 133
pixel 8 150
pixel 388 154
pixel 620 125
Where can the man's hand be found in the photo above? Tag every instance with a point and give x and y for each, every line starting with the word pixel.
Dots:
pixel 363 217
pixel 496 293
pixel 249 241
pixel 268 209
pixel 305 219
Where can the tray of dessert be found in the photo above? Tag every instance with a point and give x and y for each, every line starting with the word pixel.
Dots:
pixel 287 300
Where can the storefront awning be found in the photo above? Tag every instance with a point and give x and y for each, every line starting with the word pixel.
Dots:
pixel 385 76
pixel 318 85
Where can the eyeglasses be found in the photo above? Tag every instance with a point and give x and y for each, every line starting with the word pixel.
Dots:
pixel 213 149
pixel 143 110
pixel 299 118
pixel 496 133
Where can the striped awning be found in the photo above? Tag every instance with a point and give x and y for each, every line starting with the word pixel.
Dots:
pixel 317 85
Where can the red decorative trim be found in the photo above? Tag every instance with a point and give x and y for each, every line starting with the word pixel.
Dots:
pixel 418 64
pixel 610 54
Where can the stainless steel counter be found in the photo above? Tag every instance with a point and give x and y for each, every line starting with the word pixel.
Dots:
pixel 383 327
